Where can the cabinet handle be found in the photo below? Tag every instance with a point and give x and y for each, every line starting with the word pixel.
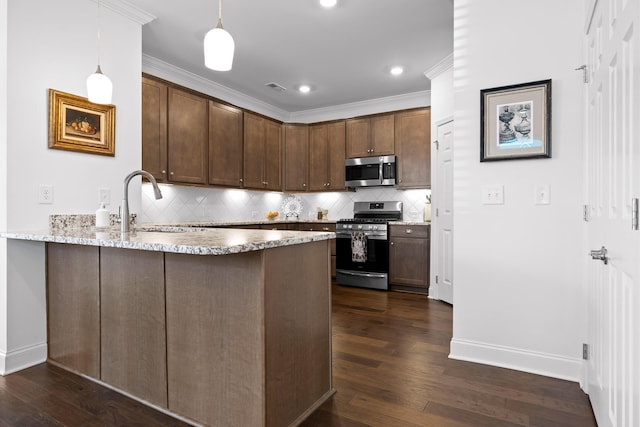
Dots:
pixel 392 243
pixel 171 173
pixel 241 180
pixel 325 228
pixel 304 185
pixel 163 171
pixel 328 184
pixel 408 231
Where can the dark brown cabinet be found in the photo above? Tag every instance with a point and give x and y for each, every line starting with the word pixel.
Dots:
pixel 187 141
pixel 296 157
pixel 225 145
pixel 371 136
pixel 318 226
pixel 326 156
pixel 154 128
pixel 413 149
pixel 262 153
pixel 409 257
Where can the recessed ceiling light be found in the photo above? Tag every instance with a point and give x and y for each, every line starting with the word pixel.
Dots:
pixel 304 88
pixel 397 70
pixel 328 3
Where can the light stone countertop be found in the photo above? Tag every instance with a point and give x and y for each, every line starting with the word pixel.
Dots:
pixel 185 240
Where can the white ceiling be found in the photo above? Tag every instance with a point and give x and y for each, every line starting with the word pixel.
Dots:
pixel 343 53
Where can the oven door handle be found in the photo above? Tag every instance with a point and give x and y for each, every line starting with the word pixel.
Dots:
pixel 369 235
pixel 379 276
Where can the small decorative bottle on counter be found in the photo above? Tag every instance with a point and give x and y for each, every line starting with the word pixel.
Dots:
pixel 102 217
pixel 427 209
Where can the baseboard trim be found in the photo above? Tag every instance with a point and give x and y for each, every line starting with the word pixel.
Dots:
pixel 549 365
pixel 23 358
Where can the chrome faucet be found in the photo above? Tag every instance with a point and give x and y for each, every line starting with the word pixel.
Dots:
pixel 124 210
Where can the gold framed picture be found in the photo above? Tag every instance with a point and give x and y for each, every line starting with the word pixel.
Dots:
pixel 76 124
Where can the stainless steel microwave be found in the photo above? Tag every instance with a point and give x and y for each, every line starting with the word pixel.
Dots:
pixel 370 171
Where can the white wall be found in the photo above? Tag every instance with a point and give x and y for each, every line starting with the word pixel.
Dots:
pixel 53 45
pixel 518 300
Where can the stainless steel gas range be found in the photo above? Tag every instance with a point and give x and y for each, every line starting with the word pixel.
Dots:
pixel 362 245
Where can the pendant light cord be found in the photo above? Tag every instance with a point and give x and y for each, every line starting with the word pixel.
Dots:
pixel 99 19
pixel 219 14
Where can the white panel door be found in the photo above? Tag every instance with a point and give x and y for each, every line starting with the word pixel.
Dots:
pixel 443 222
pixel 612 179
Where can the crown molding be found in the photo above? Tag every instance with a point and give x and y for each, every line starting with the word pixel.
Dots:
pixel 445 64
pixel 164 70
pixel 128 10
pixel 363 108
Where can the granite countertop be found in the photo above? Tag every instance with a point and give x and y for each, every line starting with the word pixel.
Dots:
pixel 185 240
pixel 231 223
pixel 410 223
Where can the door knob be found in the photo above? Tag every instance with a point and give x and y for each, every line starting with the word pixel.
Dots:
pixel 600 254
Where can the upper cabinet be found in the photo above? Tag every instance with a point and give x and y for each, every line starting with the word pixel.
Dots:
pixel 188 137
pixel 296 157
pixel 413 149
pixel 262 153
pixel 371 136
pixel 154 128
pixel 326 156
pixel 225 145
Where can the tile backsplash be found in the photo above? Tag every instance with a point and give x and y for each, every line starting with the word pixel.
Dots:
pixel 184 204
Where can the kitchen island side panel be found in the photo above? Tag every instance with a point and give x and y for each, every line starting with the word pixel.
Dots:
pixel 132 313
pixel 73 307
pixel 215 338
pixel 298 331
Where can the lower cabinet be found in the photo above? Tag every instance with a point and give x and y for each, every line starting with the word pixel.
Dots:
pixel 409 257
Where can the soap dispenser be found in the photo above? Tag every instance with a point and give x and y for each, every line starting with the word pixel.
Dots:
pixel 102 216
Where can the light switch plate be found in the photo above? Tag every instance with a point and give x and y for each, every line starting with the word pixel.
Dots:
pixel 492 195
pixel 542 195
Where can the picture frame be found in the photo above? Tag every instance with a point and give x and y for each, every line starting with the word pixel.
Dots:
pixel 76 124
pixel 515 121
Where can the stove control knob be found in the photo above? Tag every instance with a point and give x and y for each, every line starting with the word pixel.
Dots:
pixel 359 227
pixel 349 226
pixel 374 227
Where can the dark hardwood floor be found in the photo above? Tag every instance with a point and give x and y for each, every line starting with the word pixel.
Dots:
pixel 390 368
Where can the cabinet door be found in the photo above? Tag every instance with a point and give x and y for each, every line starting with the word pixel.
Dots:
pixel 225 145
pixel 154 128
pixel 358 138
pixel 335 155
pixel 409 257
pixel 273 155
pixel 382 135
pixel 254 151
pixel 188 142
pixel 296 157
pixel 318 160
pixel 413 145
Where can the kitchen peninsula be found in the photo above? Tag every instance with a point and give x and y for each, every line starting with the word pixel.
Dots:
pixel 219 326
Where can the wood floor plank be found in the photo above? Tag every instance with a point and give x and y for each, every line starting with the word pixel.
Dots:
pixel 390 369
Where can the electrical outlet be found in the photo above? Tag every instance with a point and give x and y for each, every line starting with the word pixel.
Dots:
pixel 105 196
pixel 45 194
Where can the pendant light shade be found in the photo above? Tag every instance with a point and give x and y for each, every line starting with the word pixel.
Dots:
pixel 99 88
pixel 218 46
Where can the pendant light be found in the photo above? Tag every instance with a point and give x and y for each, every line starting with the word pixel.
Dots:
pixel 99 86
pixel 218 46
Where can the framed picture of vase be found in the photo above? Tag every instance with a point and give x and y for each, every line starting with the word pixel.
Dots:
pixel 515 121
pixel 75 124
